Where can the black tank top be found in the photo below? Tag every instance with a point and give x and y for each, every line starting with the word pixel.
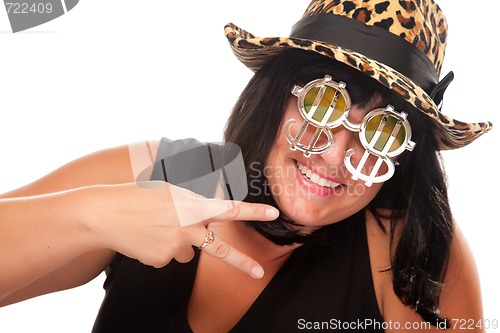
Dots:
pixel 320 288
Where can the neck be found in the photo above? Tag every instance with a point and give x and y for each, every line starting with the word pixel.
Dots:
pixel 252 243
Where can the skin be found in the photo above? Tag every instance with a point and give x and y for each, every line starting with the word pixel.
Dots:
pixel 310 204
pixel 67 254
pixel 50 252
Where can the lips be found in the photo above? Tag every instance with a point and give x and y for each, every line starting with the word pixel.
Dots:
pixel 315 178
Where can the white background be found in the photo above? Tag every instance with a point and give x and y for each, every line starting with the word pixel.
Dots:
pixel 114 72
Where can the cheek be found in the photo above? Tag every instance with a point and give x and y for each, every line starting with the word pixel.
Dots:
pixel 369 193
pixel 368 168
pixel 279 169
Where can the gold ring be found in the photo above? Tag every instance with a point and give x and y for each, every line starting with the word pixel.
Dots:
pixel 209 239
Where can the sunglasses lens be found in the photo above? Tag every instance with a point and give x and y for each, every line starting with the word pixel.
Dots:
pixel 373 125
pixel 320 105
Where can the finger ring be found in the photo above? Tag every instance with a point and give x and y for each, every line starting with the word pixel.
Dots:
pixel 209 239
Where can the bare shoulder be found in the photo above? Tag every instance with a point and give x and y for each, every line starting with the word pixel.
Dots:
pixel 378 236
pixel 460 299
pixel 461 296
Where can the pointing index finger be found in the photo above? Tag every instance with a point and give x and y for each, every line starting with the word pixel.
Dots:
pixel 208 210
pixel 238 210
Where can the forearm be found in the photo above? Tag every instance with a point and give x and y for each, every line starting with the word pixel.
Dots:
pixel 40 234
pixel 47 235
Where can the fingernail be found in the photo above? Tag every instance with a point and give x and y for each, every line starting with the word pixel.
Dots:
pixel 272 213
pixel 257 272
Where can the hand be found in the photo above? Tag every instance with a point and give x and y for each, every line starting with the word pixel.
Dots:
pixel 154 222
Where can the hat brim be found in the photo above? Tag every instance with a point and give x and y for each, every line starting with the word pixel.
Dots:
pixel 254 52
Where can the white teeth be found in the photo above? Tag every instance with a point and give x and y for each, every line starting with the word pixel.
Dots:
pixel 314 177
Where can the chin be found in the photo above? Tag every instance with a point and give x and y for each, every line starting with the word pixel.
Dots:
pixel 304 213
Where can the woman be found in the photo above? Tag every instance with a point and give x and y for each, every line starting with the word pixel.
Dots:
pixel 341 250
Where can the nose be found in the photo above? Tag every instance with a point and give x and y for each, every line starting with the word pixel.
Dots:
pixel 342 141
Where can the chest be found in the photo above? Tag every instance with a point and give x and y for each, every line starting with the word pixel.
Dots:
pixel 315 284
pixel 222 295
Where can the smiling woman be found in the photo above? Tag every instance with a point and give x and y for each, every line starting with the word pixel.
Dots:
pixel 398 243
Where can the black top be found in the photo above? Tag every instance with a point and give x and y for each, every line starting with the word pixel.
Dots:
pixel 320 288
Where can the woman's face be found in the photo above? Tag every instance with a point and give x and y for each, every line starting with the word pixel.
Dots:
pixel 319 190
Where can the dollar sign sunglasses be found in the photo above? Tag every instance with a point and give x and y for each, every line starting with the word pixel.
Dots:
pixel 324 104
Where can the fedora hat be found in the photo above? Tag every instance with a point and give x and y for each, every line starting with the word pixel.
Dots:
pixel 399 43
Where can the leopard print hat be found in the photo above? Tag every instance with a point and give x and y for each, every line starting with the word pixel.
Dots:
pixel 399 43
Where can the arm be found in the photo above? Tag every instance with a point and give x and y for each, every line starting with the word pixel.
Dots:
pixel 47 237
pixel 63 239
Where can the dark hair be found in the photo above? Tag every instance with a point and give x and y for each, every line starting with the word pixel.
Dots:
pixel 416 194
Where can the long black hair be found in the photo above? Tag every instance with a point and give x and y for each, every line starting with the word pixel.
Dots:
pixel 416 195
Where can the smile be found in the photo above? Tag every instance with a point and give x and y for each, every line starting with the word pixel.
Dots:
pixel 314 177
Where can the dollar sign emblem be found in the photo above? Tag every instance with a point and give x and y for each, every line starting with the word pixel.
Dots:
pixel 384 133
pixel 324 104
